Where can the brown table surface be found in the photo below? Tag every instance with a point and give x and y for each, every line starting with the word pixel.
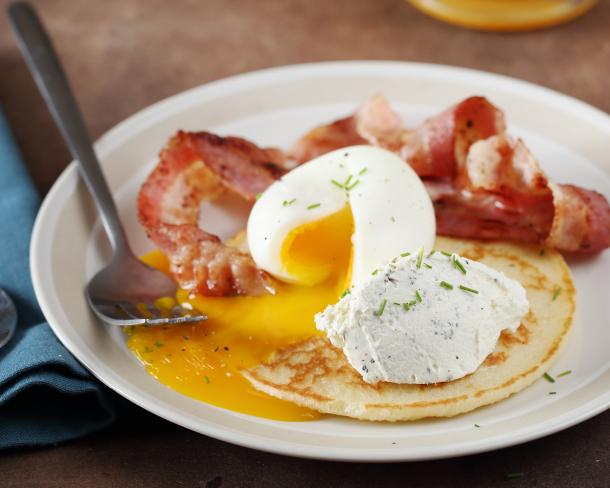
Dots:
pixel 122 55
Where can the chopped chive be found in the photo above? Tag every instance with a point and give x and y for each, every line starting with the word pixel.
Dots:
pixel 286 203
pixel 552 393
pixel 158 344
pixel 405 254
pixel 446 285
pixel 458 265
pixel 315 205
pixel 347 181
pixel 336 183
pixel 512 476
pixel 392 219
pixel 396 303
pixel 477 426
pixel 406 307
pixel 431 252
pixel 418 296
pixel 258 195
pixel 420 257
pixel 429 266
pixel 379 312
pixel 345 292
pixel 556 293
pixel 352 186
pixel 565 373
pixel 465 288
pixel 445 253
pixel 375 271
pixel 207 380
pixel 362 171
pixel 549 378
pixel 147 349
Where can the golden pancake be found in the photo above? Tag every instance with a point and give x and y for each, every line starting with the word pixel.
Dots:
pixel 316 375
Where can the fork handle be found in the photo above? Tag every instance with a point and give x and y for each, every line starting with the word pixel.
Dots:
pixel 53 84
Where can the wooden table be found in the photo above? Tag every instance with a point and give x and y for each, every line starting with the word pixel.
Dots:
pixel 122 55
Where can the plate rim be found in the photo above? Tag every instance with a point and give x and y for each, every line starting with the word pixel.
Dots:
pixel 396 454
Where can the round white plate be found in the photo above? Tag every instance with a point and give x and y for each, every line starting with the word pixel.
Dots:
pixel 274 107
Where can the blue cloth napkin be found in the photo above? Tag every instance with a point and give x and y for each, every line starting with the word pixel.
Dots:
pixel 46 396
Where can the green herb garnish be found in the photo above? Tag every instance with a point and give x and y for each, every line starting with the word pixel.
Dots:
pixel 336 183
pixel 286 203
pixel 565 373
pixel 465 288
pixel 362 171
pixel 345 292
pixel 420 257
pixel 457 265
pixel 379 312
pixel 556 293
pixel 258 195
pixel 447 286
pixel 158 344
pixel 552 393
pixel 147 349
pixel 429 266
pixel 207 380
pixel 418 296
pixel 405 254
pixel 406 307
pixel 477 426
pixel 375 271
pixel 512 476
pixel 315 205
pixel 352 186
pixel 445 253
pixel 549 378
pixel 392 219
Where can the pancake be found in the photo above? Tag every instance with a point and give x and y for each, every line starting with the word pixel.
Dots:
pixel 316 375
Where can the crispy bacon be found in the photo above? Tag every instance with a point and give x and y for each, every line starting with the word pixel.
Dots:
pixel 483 184
pixel 581 222
pixel 326 138
pixel 437 148
pixel 200 166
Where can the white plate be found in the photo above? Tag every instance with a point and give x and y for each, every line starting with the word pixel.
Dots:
pixel 273 107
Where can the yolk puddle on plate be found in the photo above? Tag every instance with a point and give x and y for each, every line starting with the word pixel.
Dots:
pixel 203 361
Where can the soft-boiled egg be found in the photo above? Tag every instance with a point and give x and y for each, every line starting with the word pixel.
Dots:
pixel 325 225
pixel 297 228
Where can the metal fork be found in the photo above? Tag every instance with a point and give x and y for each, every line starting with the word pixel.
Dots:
pixel 126 291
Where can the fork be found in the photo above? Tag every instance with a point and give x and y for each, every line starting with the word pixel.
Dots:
pixel 127 291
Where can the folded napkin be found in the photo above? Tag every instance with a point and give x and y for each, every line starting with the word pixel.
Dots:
pixel 46 396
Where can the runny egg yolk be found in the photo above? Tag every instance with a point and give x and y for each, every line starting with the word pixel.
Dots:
pixel 204 360
pixel 316 251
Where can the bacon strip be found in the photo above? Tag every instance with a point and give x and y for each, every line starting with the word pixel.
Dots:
pixel 582 220
pixel 483 184
pixel 437 148
pixel 200 166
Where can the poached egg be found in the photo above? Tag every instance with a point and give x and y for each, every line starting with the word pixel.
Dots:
pixel 348 211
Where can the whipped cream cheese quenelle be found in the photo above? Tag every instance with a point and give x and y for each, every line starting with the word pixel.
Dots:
pixel 424 319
